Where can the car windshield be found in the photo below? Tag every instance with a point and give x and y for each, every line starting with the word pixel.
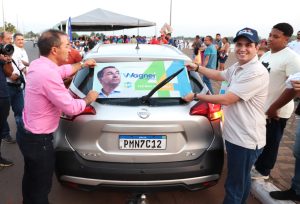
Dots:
pixel 124 83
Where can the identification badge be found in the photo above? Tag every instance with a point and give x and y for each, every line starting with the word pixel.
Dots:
pixel 224 87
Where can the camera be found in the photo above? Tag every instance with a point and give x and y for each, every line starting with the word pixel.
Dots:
pixel 6 49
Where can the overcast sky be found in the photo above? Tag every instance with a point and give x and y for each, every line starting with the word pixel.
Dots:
pixel 189 17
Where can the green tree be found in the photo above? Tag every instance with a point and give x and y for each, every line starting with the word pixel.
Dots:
pixel 9 28
pixel 30 34
pixel 75 35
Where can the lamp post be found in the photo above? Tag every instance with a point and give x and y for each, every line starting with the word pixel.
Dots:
pixel 3 16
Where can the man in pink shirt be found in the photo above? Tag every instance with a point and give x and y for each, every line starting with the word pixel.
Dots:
pixel 45 98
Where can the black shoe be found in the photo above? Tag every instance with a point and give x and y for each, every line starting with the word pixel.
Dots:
pixel 285 195
pixel 5 163
pixel 8 139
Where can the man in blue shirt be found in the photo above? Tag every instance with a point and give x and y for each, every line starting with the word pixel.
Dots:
pixel 171 41
pixel 210 59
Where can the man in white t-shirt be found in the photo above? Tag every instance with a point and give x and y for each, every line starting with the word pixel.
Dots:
pixel 20 55
pixel 245 123
pixel 281 62
pixel 291 91
pixel 295 45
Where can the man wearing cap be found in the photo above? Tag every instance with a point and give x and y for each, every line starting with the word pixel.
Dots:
pixel 244 126
pixel 281 62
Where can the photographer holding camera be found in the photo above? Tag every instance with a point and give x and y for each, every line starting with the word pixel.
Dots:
pixel 6 69
pixel 15 82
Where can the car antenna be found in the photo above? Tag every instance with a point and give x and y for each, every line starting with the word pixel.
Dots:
pixel 138 32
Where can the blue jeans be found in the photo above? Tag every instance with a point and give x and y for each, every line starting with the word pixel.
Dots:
pixel 296 178
pixel 239 163
pixel 266 161
pixel 39 159
pixel 208 84
pixel 17 103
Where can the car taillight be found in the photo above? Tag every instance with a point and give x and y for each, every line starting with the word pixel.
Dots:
pixel 89 110
pixel 210 110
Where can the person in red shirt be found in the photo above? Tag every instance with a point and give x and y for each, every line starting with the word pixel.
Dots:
pixel 163 40
pixel 73 58
pixel 154 40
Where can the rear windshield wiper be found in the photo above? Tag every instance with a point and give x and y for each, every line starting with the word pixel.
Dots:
pixel 145 99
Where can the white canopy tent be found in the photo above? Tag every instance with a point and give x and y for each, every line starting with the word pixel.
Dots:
pixel 103 20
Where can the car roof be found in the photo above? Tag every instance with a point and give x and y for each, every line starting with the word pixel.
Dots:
pixel 134 52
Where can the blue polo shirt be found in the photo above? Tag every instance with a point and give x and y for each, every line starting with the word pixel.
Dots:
pixel 3 85
pixel 211 51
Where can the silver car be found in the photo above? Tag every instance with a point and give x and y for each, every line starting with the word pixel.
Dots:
pixel 145 138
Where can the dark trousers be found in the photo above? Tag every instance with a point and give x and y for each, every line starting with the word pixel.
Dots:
pixel 17 103
pixel 266 161
pixel 4 112
pixel 239 163
pixel 39 159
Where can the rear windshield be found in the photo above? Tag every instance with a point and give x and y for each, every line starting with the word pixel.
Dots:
pixel 125 83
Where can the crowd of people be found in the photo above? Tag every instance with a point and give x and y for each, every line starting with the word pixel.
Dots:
pixel 84 44
pixel 257 102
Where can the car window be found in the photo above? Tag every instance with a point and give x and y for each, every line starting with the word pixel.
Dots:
pixel 128 81
pixel 83 80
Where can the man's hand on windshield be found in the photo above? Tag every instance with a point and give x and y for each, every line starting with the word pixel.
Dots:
pixel 189 97
pixel 191 66
pixel 91 97
pixel 90 63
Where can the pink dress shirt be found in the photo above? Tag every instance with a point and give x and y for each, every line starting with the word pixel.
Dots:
pixel 46 96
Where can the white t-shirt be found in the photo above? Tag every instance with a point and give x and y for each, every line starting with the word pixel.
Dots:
pixel 294 77
pixel 295 45
pixel 245 121
pixel 18 55
pixel 280 65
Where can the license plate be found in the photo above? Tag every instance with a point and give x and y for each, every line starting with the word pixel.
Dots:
pixel 156 142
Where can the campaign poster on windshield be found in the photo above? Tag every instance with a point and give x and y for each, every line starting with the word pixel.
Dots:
pixel 136 79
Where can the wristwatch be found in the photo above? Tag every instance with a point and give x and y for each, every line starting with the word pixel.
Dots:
pixel 81 64
pixel 195 97
pixel 197 69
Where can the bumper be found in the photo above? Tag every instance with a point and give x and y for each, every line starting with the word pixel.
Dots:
pixel 192 175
